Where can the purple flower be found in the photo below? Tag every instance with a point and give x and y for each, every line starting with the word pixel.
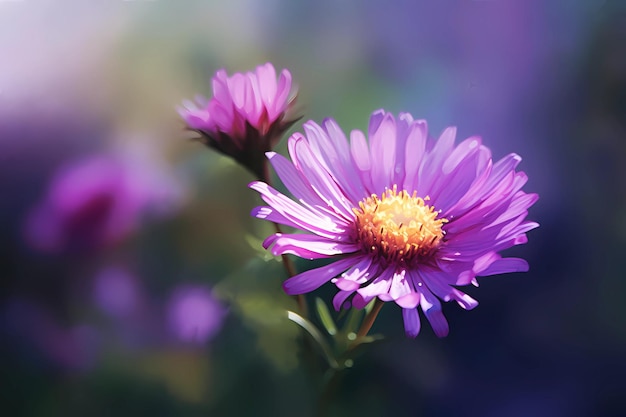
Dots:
pixel 405 218
pixel 246 116
pixel 194 315
pixel 116 291
pixel 98 200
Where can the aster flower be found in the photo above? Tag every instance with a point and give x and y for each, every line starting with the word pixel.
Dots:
pixel 246 116
pixel 404 218
pixel 98 200
pixel 194 315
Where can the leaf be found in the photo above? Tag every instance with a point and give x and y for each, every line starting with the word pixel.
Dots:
pixel 352 321
pixel 257 245
pixel 366 340
pixel 316 335
pixel 369 306
pixel 253 293
pixel 325 317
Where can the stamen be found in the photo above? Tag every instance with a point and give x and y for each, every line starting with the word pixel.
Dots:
pixel 399 227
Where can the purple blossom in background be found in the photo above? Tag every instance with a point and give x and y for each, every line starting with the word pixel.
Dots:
pixel 96 201
pixel 116 291
pixel 246 116
pixel 405 217
pixel 194 315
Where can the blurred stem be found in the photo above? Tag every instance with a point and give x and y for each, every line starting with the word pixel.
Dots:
pixel 333 375
pixel 291 271
pixel 287 263
pixel 325 399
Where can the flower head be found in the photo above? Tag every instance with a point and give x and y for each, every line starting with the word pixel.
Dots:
pixel 246 116
pixel 194 315
pixel 98 200
pixel 406 218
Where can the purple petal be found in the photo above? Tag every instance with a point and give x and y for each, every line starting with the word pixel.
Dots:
pixel 414 148
pixel 403 128
pixel 451 186
pixel 306 246
pixel 505 265
pixel 266 74
pixel 359 301
pixel 431 164
pixel 357 275
pixel 285 211
pixel 410 300
pixel 298 185
pixel 380 285
pixel 361 156
pixel 314 278
pixel 282 93
pixel 220 88
pixel 321 181
pixel 255 105
pixel 237 87
pixel 411 322
pixel 400 285
pixel 462 151
pixel 375 120
pixel 340 298
pixel 383 151
pixel 432 309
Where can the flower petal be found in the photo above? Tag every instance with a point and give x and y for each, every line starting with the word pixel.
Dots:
pixel 360 153
pixel 379 286
pixel 314 278
pixel 411 322
pixel 321 181
pixel 360 273
pixel 432 309
pixel 415 148
pixel 306 246
pixel 285 211
pixel 383 151
pixel 339 300
pixel 505 265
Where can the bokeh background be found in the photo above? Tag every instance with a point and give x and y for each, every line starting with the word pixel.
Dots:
pixel 132 277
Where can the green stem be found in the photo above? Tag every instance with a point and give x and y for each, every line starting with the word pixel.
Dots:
pixel 326 396
pixel 291 271
pixel 334 374
pixel 287 263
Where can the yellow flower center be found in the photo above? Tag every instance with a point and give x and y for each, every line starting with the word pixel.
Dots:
pixel 398 227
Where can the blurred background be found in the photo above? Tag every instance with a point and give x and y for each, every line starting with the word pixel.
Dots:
pixel 133 282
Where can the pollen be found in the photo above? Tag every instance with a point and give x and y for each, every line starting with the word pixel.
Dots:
pixel 398 227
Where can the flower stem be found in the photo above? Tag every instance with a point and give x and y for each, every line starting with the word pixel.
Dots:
pixel 287 263
pixel 325 399
pixel 291 271
pixel 333 375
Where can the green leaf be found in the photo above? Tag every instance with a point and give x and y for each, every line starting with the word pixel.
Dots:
pixel 366 340
pixel 316 335
pixel 261 308
pixel 257 244
pixel 325 317
pixel 370 306
pixel 352 321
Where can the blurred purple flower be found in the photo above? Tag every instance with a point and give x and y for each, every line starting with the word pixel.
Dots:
pixel 194 315
pixel 246 116
pixel 405 218
pixel 98 200
pixel 116 291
